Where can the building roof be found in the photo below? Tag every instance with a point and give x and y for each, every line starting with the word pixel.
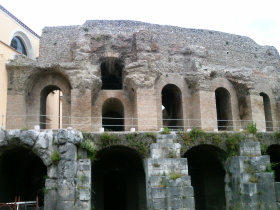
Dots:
pixel 18 21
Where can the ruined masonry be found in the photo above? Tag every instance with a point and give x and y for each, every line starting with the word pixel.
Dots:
pixel 136 78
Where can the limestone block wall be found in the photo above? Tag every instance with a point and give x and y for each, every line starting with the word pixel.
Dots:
pixel 248 184
pixel 68 182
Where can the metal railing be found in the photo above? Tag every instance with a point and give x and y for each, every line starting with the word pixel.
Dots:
pixel 125 124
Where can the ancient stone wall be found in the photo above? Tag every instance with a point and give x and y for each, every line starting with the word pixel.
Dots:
pixel 145 58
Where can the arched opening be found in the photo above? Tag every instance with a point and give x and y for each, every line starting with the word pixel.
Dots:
pixel 206 168
pixel 18 45
pixel 22 173
pixel 111 73
pixel 274 153
pixel 51 108
pixel 223 109
pixel 118 180
pixel 172 113
pixel 267 112
pixel 113 115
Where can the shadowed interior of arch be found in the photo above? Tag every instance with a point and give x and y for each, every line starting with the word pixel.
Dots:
pixel 119 177
pixel 22 173
pixel 205 164
pixel 274 153
pixel 51 108
pixel 171 107
pixel 111 73
pixel 113 115
pixel 267 112
pixel 223 109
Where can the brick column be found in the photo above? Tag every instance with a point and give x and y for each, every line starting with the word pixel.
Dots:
pixel 204 110
pixel 146 110
pixel 81 110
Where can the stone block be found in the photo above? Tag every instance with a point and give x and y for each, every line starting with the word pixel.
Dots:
pixel 84 194
pixel 188 203
pixel 188 191
pixel 158 192
pixel 174 191
pixel 265 177
pixel 3 140
pixel 250 188
pixel 84 165
pixel 159 203
pixel 260 163
pixel 277 191
pixel 174 183
pixel 176 203
pixel 68 151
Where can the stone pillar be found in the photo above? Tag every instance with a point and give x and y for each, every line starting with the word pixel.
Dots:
pixel 248 185
pixel 146 110
pixel 204 110
pixel 168 184
pixel 81 110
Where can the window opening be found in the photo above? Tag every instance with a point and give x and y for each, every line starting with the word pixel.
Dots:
pixel 111 74
pixel 18 45
pixel 51 108
pixel 113 115
pixel 267 112
pixel 172 114
pixel 223 109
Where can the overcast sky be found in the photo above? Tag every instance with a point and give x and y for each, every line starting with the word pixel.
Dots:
pixel 257 19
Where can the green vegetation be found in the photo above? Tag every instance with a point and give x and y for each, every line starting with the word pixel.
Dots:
pixel 165 131
pixel 55 157
pixel 90 147
pixel 253 179
pixel 251 128
pixel 175 176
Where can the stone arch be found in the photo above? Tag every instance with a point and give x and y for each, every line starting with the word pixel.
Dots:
pixel 113 114
pixel 22 173
pixel 267 111
pixel 231 115
pixel 117 95
pixel 206 168
pixel 36 98
pixel 274 153
pixel 118 175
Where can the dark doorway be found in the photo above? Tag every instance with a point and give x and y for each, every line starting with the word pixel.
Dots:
pixel 172 113
pixel 223 109
pixel 22 173
pixel 51 108
pixel 274 153
pixel 111 73
pixel 267 112
pixel 206 168
pixel 118 180
pixel 113 115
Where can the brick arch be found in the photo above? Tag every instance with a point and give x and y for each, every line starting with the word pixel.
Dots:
pixel 227 85
pixel 120 95
pixel 207 171
pixel 48 82
pixel 269 103
pixel 119 174
pixel 180 83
